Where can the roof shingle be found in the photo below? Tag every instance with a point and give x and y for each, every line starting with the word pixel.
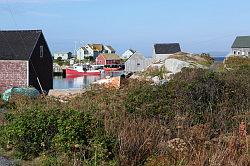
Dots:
pixel 111 56
pixel 167 48
pixel 241 42
pixel 18 45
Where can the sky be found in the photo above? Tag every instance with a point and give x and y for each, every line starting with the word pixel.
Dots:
pixel 198 25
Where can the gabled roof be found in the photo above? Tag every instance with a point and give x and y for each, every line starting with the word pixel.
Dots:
pixel 241 42
pixel 133 51
pixel 97 47
pixel 167 48
pixel 84 49
pixel 137 55
pixel 18 45
pixel 111 56
pixel 111 48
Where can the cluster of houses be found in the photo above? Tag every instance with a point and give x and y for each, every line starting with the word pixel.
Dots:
pixel 133 61
pixel 25 58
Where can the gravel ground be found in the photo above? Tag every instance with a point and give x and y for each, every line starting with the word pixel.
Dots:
pixel 6 162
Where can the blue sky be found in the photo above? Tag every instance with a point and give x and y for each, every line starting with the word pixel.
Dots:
pixel 198 25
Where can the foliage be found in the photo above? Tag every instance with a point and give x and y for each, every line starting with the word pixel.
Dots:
pixel 237 62
pixel 191 120
pixel 152 72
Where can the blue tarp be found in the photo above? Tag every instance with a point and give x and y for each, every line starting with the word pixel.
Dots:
pixel 30 92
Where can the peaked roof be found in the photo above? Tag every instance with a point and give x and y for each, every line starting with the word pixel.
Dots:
pixel 111 56
pixel 137 55
pixel 241 42
pixel 167 48
pixel 133 51
pixel 97 47
pixel 83 48
pixel 18 45
pixel 110 48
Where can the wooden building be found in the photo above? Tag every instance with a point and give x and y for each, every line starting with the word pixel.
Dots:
pixel 137 63
pixel 25 60
pixel 162 51
pixel 108 59
pixel 241 46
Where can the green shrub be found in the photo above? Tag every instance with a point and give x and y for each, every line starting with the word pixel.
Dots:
pixel 237 62
pixel 31 132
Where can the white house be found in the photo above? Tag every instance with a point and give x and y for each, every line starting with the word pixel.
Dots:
pixel 128 53
pixel 163 51
pixel 137 62
pixel 109 50
pixel 63 55
pixel 241 46
pixel 81 53
pixel 93 50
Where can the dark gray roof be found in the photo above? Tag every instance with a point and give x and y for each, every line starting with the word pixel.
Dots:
pixel 111 48
pixel 18 45
pixel 167 48
pixel 133 51
pixel 241 42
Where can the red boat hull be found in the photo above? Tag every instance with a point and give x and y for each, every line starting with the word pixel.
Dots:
pixel 71 72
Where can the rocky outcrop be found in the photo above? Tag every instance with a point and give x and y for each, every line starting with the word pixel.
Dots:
pixel 175 66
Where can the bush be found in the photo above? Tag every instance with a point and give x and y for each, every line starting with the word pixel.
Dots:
pixel 138 124
pixel 237 62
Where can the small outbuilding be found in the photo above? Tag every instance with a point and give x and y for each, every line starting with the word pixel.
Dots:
pixel 25 60
pixel 241 46
pixel 108 59
pixel 164 50
pixel 137 62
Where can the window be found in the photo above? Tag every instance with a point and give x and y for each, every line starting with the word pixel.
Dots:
pixel 138 64
pixel 248 53
pixel 238 52
pixel 41 51
pixel 234 52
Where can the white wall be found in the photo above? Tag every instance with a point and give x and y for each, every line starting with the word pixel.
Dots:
pixel 64 56
pixel 127 54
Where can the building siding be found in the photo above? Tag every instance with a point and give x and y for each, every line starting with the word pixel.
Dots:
pixel 41 67
pixel 13 74
pixel 137 63
pixel 241 51
pixel 100 60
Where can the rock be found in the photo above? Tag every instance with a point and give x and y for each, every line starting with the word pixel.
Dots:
pixel 167 76
pixel 174 65
pixel 65 95
pixel 110 83
pixel 156 80
pixel 6 162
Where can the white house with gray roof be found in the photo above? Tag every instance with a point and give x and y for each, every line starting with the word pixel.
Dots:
pixel 241 46
pixel 162 51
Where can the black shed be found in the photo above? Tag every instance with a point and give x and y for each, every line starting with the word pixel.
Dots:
pixel 25 60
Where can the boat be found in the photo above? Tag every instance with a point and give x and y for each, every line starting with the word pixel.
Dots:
pixel 111 69
pixel 82 70
pixel 108 68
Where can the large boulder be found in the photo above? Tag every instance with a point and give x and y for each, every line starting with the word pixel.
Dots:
pixel 175 66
